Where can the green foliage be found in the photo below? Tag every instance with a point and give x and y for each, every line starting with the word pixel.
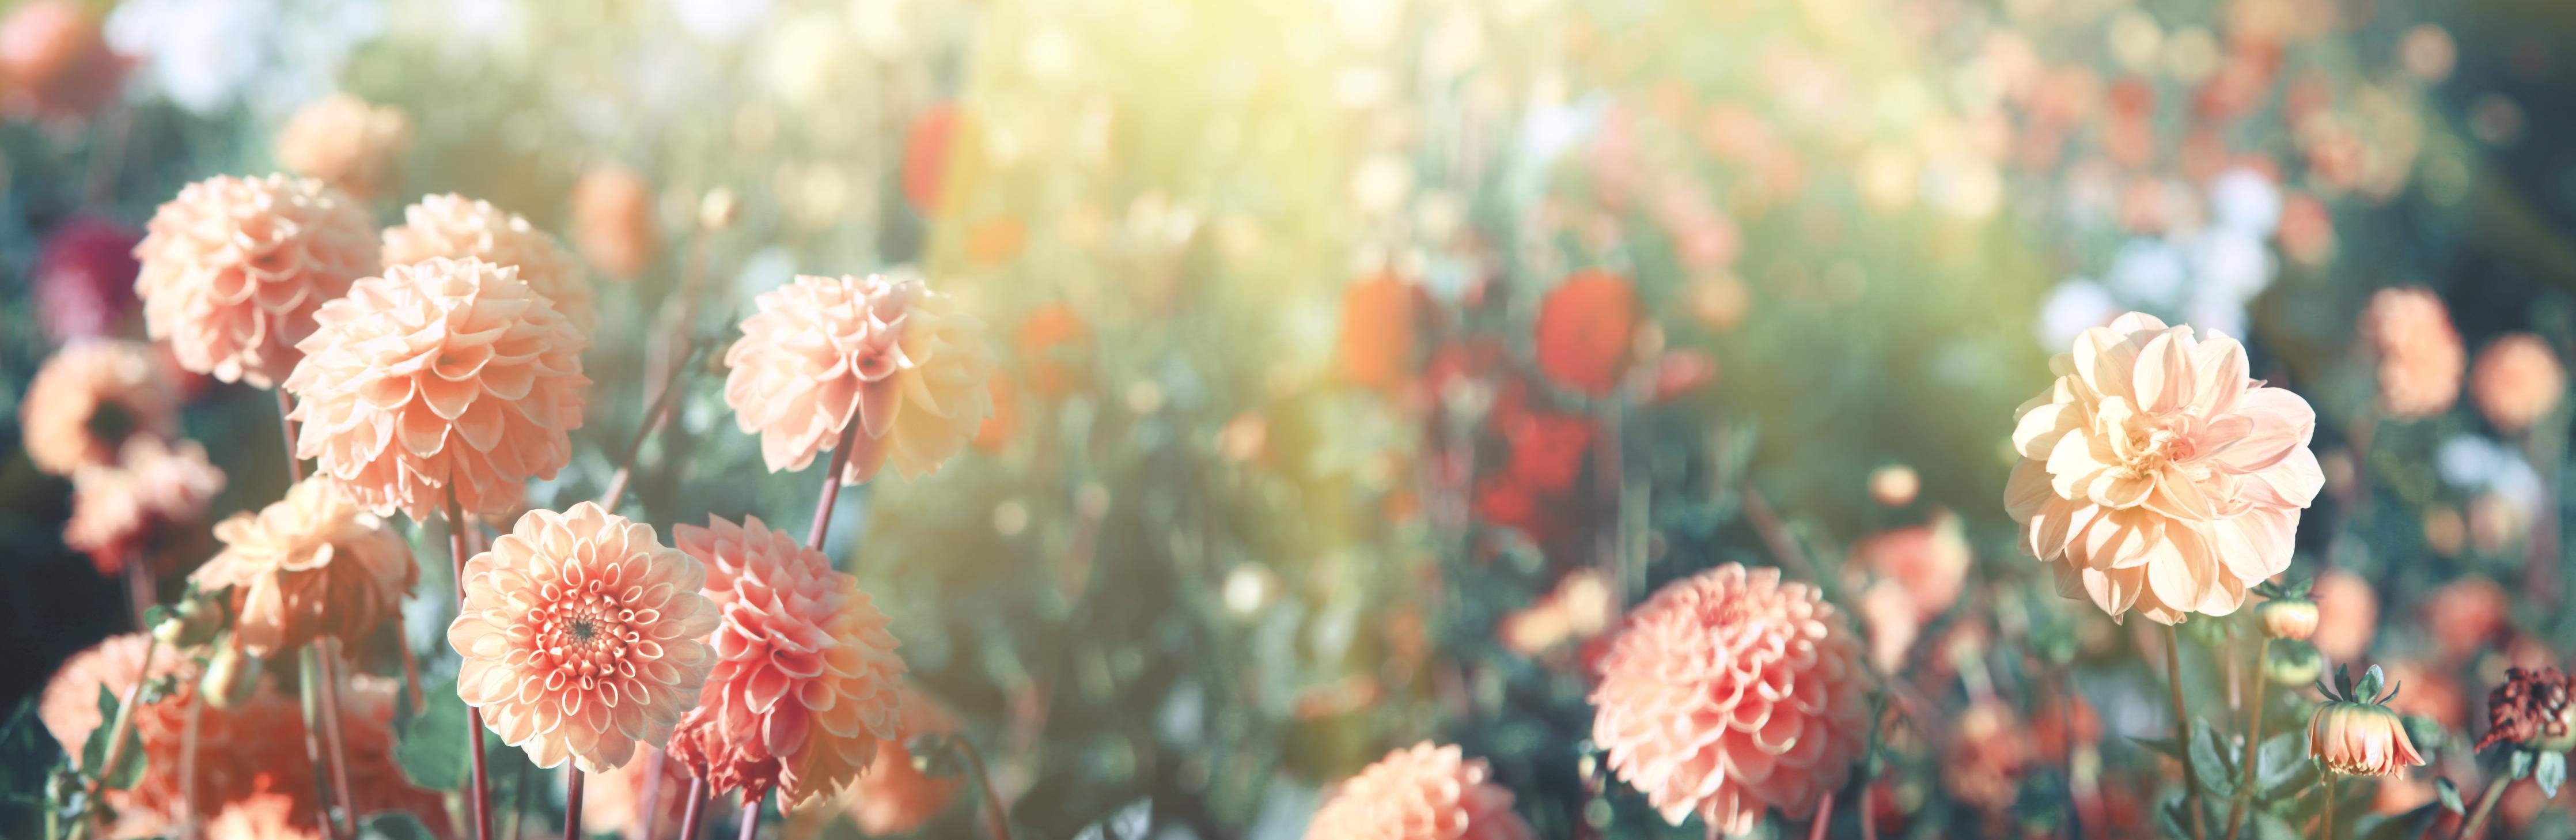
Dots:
pixel 2213 764
pixel 431 748
pixel 129 759
pixel 393 825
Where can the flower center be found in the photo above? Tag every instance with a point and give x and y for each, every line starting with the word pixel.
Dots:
pixel 584 633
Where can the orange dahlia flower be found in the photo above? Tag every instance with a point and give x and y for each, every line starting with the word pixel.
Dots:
pixel 1585 328
pixel 612 220
pixel 442 376
pixel 457 227
pixel 1425 792
pixel 87 399
pixel 234 269
pixel 906 363
pixel 2156 476
pixel 1730 692
pixel 2360 736
pixel 2517 381
pixel 345 142
pixel 311 564
pixel 806 682
pixel 2420 357
pixel 582 637
pixel 246 736
pixel 118 510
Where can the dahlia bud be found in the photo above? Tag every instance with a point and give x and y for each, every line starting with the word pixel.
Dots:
pixel 2294 666
pixel 719 209
pixel 2532 710
pixel 2294 619
pixel 229 678
pixel 2355 733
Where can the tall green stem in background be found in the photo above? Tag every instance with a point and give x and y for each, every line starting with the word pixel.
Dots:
pixel 2182 732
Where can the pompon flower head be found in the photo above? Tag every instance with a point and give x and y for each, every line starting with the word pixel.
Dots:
pixel 1585 328
pixel 2420 356
pixel 311 564
pixel 234 269
pixel 582 636
pixel 441 376
pixel 1425 792
pixel 120 510
pixel 806 682
pixel 87 399
pixel 345 142
pixel 1730 692
pixel 457 227
pixel 2355 733
pixel 2517 381
pixel 2156 477
pixel 612 220
pixel 907 364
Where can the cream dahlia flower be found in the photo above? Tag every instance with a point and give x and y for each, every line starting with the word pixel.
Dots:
pixel 582 637
pixel 457 227
pixel 2156 476
pixel 234 268
pixel 806 682
pixel 2517 381
pixel 88 398
pixel 2420 357
pixel 311 564
pixel 118 510
pixel 345 142
pixel 1425 792
pixel 445 375
pixel 905 363
pixel 1730 692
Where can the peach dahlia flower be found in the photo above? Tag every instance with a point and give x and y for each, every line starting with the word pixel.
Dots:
pixel 457 227
pixel 2420 357
pixel 907 364
pixel 1730 692
pixel 2517 381
pixel 87 399
pixel 118 510
pixel 311 564
pixel 2361 738
pixel 2156 476
pixel 582 635
pixel 441 376
pixel 806 682
pixel 1425 792
pixel 345 142
pixel 234 268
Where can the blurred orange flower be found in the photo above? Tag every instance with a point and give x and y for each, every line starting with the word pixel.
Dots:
pixel 1055 349
pixel 117 511
pixel 1928 562
pixel 613 801
pixel 235 271
pixel 87 399
pixel 2420 358
pixel 1426 792
pixel 345 142
pixel 612 220
pixel 54 62
pixel 1377 343
pixel 2347 615
pixel 2517 381
pixel 926 152
pixel 1585 327
pixel 894 796
pixel 2465 614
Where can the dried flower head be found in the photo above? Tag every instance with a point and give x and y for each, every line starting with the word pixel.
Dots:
pixel 582 636
pixel 2517 381
pixel 2355 733
pixel 234 269
pixel 346 143
pixel 2532 709
pixel 2420 356
pixel 906 364
pixel 118 511
pixel 457 227
pixel 87 399
pixel 1426 792
pixel 2156 476
pixel 444 376
pixel 311 564
pixel 1729 693
pixel 806 682
pixel 612 220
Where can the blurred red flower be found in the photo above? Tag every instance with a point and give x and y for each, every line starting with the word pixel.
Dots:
pixel 925 156
pixel 84 278
pixel 1584 331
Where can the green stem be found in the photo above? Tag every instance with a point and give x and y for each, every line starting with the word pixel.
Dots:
pixel 992 798
pixel 2477 820
pixel 2327 832
pixel 2182 733
pixel 2253 739
pixel 116 738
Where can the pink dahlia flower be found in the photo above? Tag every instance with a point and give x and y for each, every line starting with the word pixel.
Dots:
pixel 806 682
pixel 2420 357
pixel 311 564
pixel 87 399
pixel 582 637
pixel 905 363
pixel 234 268
pixel 118 511
pixel 457 227
pixel 442 376
pixel 1425 792
pixel 2517 381
pixel 1730 692
pixel 2156 476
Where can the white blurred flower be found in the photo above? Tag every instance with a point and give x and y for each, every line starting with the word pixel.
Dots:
pixel 2468 461
pixel 2149 272
pixel 2245 201
pixel 719 20
pixel 198 52
pixel 2073 307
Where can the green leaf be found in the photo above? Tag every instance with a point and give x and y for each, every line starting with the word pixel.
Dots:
pixel 2520 764
pixel 2166 747
pixel 2551 770
pixel 432 747
pixel 2281 758
pixel 393 825
pixel 2450 794
pixel 129 761
pixel 2169 815
pixel 2265 825
pixel 2368 689
pixel 2343 681
pixel 2301 775
pixel 2209 761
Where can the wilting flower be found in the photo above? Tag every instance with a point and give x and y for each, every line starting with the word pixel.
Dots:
pixel 54 64
pixel 2294 619
pixel 311 564
pixel 1376 345
pixel 1585 328
pixel 2357 734
pixel 457 227
pixel 613 801
pixel 234 269
pixel 806 683
pixel 345 142
pixel 1054 347
pixel 118 510
pixel 1730 692
pixel 87 399
pixel 893 796
pixel 2156 476
pixel 2419 353
pixel 2532 709
pixel 612 220
pixel 2465 614
pixel 905 363
pixel 1423 793
pixel 582 637
pixel 443 377
pixel 2517 381
pixel 83 280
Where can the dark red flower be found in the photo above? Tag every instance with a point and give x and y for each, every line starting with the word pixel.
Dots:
pixel 84 279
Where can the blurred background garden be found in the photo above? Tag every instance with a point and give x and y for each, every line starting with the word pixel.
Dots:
pixel 1361 362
